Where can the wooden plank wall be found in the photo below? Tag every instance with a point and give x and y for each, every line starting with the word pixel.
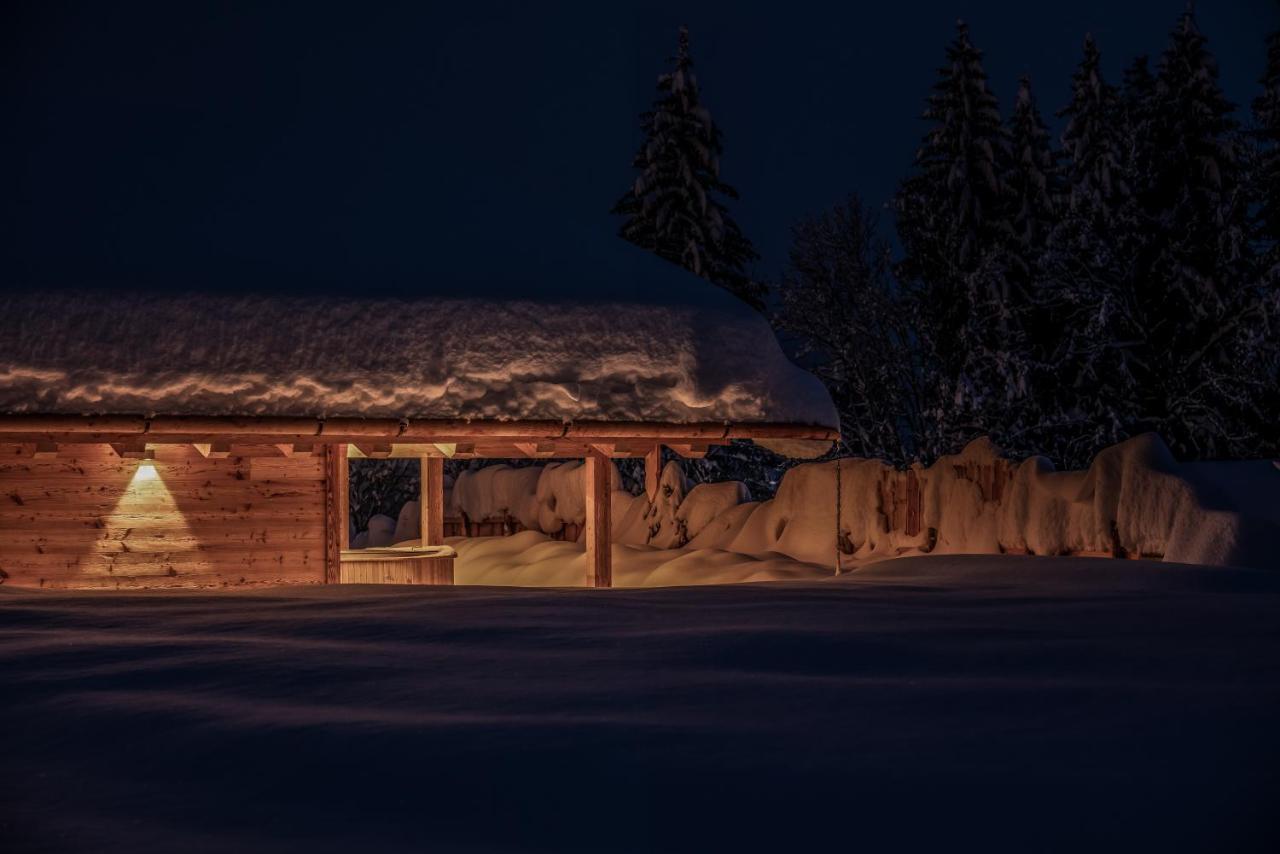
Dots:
pixel 87 518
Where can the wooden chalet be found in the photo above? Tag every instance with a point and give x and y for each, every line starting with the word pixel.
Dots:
pixel 154 441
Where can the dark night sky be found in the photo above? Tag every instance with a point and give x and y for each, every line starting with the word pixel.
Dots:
pixel 475 147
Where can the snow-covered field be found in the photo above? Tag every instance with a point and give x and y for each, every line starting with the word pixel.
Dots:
pixel 938 703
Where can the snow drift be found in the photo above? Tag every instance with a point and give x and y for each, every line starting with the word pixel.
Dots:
pixel 424 358
pixel 1135 500
pixel 1058 706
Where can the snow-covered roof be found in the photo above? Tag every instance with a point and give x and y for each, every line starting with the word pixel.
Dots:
pixel 108 353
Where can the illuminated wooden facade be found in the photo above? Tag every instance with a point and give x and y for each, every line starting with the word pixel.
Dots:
pixel 134 501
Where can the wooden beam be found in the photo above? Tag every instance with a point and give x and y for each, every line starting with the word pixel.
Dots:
pixel 336 527
pixel 374 450
pixel 195 428
pixel 254 450
pixel 112 424
pixel 134 450
pixel 582 430
pixel 652 472
pixel 373 428
pixel 214 450
pixel 431 501
pixel 690 450
pixel 536 449
pixel 599 492
pixel 216 425
pixel 45 450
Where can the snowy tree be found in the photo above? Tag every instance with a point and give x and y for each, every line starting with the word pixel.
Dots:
pixel 1034 189
pixel 1091 140
pixel 954 227
pixel 1137 111
pixel 1086 384
pixel 1191 287
pixel 676 206
pixel 1266 237
pixel 1266 117
pixel 947 209
pixel 1150 270
pixel 841 315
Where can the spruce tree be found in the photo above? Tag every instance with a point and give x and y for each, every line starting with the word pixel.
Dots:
pixel 1266 118
pixel 1137 110
pixel 1034 187
pixel 952 224
pixel 1265 346
pixel 1031 330
pixel 676 206
pixel 1091 140
pixel 1088 274
pixel 1192 285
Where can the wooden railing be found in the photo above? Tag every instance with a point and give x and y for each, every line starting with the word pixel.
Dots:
pixel 500 526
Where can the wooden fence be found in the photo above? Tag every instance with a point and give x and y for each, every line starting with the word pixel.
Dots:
pixel 500 526
pixel 902 499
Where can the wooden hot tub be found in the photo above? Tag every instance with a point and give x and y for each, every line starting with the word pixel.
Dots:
pixel 397 565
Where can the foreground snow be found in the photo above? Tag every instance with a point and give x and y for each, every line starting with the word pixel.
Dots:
pixel 939 703
pixel 530 559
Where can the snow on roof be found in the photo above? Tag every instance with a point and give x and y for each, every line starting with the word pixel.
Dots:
pixel 112 353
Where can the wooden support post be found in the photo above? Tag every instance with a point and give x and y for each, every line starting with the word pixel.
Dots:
pixel 336 527
pixel 599 492
pixel 652 472
pixel 431 501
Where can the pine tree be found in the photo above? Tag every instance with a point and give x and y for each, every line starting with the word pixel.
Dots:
pixel 1266 117
pixel 947 209
pixel 1265 181
pixel 675 207
pixel 952 223
pixel 1034 187
pixel 1088 278
pixel 1091 141
pixel 1031 333
pixel 1192 282
pixel 1137 111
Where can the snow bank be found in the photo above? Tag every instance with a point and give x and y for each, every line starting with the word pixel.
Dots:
pixel 498 491
pixel 1135 500
pixel 426 358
